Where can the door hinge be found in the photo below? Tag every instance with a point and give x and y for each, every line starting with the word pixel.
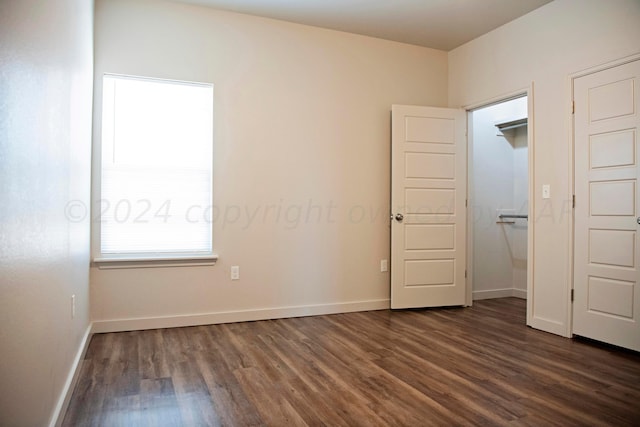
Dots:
pixel 466 201
pixel 573 107
pixel 465 274
pixel 571 295
pixel 573 200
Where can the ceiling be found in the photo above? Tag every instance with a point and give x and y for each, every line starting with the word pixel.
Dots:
pixel 439 24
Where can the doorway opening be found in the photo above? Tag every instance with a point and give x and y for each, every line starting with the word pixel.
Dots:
pixel 498 225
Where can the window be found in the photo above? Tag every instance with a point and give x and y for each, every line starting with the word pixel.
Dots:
pixel 156 169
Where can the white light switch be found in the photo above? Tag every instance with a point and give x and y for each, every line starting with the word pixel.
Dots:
pixel 235 272
pixel 383 265
pixel 546 191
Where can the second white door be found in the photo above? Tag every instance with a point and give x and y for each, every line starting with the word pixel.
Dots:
pixel 607 213
pixel 428 198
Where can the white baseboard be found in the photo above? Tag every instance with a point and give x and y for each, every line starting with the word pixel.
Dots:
pixel 500 293
pixel 72 378
pixel 134 324
pixel 520 293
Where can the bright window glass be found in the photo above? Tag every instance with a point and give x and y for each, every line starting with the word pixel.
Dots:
pixel 157 159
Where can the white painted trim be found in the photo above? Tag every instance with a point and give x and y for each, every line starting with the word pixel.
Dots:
pixel 493 293
pixel 470 203
pixel 519 293
pixel 498 99
pixel 500 293
pixel 602 67
pixel 134 324
pixel 568 332
pixel 531 147
pixel 155 261
pixel 72 378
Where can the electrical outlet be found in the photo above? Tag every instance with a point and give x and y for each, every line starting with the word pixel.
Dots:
pixel 73 306
pixel 235 272
pixel 384 266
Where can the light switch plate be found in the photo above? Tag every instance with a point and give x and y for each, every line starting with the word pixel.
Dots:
pixel 546 191
pixel 235 272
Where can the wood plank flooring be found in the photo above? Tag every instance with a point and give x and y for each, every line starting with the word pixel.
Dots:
pixel 440 367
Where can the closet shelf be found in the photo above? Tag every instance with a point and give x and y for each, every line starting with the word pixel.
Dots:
pixel 512 124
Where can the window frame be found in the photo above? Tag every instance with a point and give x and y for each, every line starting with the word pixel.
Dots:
pixel 147 258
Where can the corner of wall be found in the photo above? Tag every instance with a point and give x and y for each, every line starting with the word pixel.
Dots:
pixel 57 417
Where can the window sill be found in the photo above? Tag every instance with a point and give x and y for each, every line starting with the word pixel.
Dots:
pixel 133 261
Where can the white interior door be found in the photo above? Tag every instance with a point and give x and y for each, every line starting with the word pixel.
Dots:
pixel 428 197
pixel 607 250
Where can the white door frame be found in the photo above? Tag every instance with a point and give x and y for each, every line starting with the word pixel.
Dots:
pixel 528 92
pixel 572 170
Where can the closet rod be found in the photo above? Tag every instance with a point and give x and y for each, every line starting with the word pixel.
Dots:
pixel 502 216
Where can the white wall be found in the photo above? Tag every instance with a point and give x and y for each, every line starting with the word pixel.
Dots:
pixel 45 133
pixel 545 47
pixel 302 125
pixel 499 185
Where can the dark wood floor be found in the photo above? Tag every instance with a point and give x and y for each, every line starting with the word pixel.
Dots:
pixel 459 366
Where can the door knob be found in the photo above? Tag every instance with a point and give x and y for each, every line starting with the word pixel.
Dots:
pixel 638 220
pixel 400 217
